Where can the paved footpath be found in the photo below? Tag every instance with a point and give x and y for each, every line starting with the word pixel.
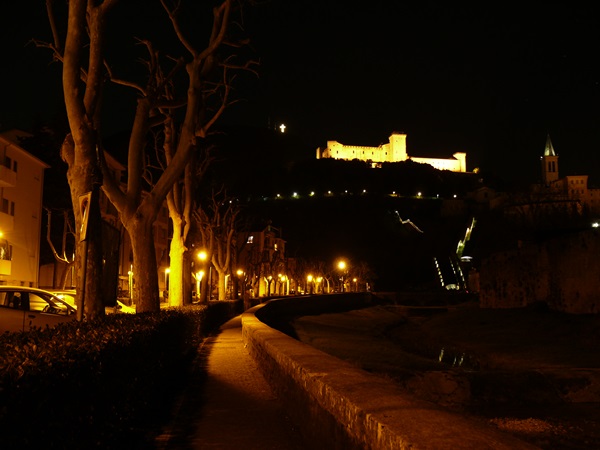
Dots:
pixel 228 404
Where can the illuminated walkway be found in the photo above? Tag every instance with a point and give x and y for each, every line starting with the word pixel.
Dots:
pixel 228 404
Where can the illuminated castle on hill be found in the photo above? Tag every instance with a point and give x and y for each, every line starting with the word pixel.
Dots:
pixel 394 151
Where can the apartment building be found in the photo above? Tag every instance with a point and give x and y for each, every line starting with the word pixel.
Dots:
pixel 21 194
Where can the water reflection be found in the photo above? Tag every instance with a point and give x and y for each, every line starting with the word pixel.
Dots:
pixel 456 358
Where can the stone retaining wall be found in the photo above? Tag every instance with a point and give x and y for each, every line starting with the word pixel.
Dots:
pixel 341 407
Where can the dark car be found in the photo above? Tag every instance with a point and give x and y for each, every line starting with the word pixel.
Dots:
pixel 23 308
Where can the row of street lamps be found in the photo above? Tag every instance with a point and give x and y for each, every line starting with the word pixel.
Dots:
pixel 311 280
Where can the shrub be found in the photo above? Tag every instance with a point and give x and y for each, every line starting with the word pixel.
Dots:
pixel 102 383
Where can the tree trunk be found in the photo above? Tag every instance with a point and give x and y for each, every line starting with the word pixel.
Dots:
pixel 204 286
pixel 176 268
pixel 222 286
pixel 67 267
pixel 180 274
pixel 186 280
pixel 145 269
pixel 81 179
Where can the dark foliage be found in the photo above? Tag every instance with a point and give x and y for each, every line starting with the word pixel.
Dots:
pixel 102 384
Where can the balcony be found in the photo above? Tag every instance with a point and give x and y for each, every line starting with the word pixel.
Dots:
pixel 7 223
pixel 8 178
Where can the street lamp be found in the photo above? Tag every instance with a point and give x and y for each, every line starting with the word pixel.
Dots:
pixel 309 280
pixel 203 256
pixel 342 267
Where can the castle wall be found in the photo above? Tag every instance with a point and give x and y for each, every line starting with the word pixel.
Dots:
pixel 441 164
pixel 562 272
pixel 394 151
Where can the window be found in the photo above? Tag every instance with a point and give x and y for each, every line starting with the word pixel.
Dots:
pixel 250 240
pixel 36 303
pixel 14 166
pixel 7 162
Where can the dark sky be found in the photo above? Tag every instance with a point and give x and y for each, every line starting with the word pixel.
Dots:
pixel 488 80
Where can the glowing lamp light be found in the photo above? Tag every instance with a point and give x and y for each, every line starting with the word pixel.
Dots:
pixel 282 128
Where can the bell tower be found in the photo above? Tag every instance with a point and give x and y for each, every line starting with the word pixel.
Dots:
pixel 549 164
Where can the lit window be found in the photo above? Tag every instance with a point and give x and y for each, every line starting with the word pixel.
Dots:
pixel 250 239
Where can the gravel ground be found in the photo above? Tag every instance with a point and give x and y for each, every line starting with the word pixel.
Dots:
pixel 519 370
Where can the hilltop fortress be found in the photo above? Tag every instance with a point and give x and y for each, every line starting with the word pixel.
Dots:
pixel 394 151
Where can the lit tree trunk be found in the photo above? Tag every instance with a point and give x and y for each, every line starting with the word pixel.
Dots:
pixel 177 273
pixel 222 285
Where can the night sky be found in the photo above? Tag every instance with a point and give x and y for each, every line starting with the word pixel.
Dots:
pixel 488 80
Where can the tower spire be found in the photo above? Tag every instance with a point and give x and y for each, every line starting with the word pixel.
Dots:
pixel 549 163
pixel 549 150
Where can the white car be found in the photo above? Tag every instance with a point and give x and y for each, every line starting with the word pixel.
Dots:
pixel 70 296
pixel 24 308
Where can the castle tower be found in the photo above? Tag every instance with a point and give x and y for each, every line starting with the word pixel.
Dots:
pixel 397 147
pixel 549 164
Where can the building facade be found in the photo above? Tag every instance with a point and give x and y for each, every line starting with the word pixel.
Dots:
pixel 571 188
pixel 393 151
pixel 21 194
pixel 263 259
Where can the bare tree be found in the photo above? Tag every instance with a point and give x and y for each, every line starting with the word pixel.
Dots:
pixel 85 71
pixel 81 52
pixel 218 223
pixel 180 202
pixel 65 260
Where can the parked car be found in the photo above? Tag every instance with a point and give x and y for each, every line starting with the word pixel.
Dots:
pixel 23 308
pixel 70 296
pixel 120 307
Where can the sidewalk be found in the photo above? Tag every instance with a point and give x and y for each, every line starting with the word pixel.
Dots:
pixel 228 404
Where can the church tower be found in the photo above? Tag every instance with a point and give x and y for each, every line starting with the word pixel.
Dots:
pixel 549 164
